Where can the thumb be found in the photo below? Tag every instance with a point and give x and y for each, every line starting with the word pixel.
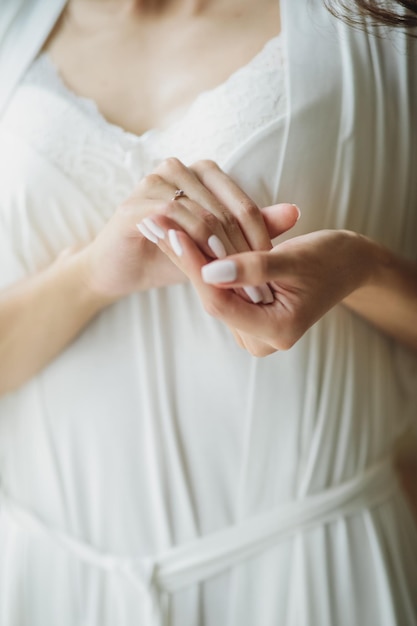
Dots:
pixel 280 217
pixel 245 268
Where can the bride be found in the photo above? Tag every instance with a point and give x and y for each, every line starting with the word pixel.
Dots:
pixel 152 471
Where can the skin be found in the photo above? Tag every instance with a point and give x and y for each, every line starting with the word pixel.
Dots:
pixel 144 62
pixel 93 44
pixel 368 278
pixel 119 53
pixel 41 315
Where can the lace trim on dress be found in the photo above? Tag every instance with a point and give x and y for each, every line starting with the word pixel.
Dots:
pixel 106 161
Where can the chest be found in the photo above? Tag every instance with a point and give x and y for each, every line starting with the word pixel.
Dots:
pixel 143 75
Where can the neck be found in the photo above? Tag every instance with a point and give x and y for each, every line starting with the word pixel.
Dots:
pixel 123 7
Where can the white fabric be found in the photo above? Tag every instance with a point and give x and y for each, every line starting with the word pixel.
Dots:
pixel 74 146
pixel 24 25
pixel 205 557
pixel 153 429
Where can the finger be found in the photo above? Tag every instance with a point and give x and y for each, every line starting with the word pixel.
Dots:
pixel 260 321
pixel 170 176
pixel 174 172
pixel 190 260
pixel 246 268
pixel 155 229
pixel 181 177
pixel 280 217
pixel 155 194
pixel 187 218
pixel 134 210
pixel 237 203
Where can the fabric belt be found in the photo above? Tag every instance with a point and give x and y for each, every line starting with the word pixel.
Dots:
pixel 204 557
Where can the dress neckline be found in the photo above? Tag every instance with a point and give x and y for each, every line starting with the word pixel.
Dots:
pixel 90 107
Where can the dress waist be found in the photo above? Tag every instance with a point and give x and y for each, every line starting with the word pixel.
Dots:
pixel 204 557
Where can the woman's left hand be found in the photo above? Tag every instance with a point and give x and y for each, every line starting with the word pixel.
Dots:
pixel 308 275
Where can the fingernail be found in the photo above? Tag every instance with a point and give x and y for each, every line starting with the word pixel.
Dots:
pixel 219 272
pixel 217 247
pixel 254 294
pixel 175 242
pixel 154 228
pixel 299 212
pixel 267 295
pixel 146 232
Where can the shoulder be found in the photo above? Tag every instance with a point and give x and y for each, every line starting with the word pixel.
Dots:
pixel 28 16
pixel 24 26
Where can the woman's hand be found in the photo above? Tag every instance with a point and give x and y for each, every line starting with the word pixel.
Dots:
pixel 312 273
pixel 308 275
pixel 213 210
pixel 59 301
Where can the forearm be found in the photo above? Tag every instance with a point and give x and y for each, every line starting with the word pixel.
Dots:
pixel 40 316
pixel 388 298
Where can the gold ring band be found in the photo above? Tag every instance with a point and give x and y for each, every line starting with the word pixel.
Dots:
pixel 180 193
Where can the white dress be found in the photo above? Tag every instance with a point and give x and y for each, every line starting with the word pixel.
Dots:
pixel 155 473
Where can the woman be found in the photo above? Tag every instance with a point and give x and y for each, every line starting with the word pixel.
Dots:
pixel 170 475
pixel 384 287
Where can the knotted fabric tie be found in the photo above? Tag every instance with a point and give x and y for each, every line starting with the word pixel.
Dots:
pixel 204 557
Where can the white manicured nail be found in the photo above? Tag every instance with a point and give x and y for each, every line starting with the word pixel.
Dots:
pixel 267 295
pixel 219 272
pixel 154 228
pixel 217 247
pixel 254 293
pixel 146 232
pixel 175 242
pixel 299 212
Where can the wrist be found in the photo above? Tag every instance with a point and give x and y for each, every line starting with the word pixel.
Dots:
pixel 377 261
pixel 77 268
pixel 365 258
pixel 370 259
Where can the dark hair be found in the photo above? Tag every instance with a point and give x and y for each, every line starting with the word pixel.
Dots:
pixel 391 13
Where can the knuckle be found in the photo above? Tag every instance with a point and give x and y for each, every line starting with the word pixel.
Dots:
pixel 171 165
pixel 290 334
pixel 248 209
pixel 204 165
pixel 230 223
pixel 151 180
pixel 200 233
pixel 214 307
pixel 171 208
pixel 285 343
pixel 261 351
pixel 210 220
